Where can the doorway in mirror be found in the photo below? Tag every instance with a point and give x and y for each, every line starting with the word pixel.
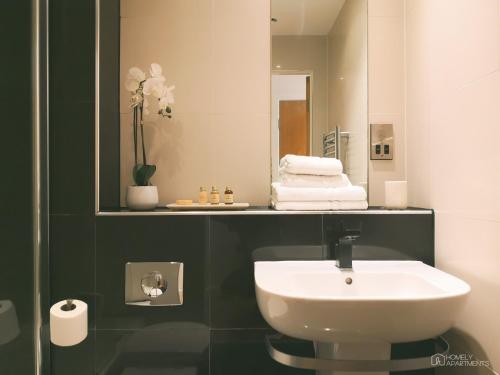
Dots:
pixel 291 115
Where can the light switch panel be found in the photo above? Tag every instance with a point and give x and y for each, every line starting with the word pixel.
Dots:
pixel 381 141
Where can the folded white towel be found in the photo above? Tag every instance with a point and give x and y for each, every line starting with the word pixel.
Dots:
pixel 309 180
pixel 320 206
pixel 311 165
pixel 282 193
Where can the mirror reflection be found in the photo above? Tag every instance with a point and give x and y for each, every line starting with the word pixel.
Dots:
pixel 216 129
pixel 218 100
pixel 319 82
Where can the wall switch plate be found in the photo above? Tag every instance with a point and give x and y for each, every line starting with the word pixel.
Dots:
pixel 381 141
pixel 154 283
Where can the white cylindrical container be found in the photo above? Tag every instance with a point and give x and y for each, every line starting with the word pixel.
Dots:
pixel 396 196
pixel 142 197
pixel 9 325
pixel 68 322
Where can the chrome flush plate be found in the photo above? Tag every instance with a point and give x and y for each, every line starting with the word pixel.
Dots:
pixel 154 283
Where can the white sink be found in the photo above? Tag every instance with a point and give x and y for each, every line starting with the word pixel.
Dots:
pixel 387 301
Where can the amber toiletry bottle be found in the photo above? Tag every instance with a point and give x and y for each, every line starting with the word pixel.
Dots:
pixel 214 196
pixel 228 196
pixel 203 197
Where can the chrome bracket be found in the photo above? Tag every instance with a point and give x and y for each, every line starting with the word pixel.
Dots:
pixel 360 365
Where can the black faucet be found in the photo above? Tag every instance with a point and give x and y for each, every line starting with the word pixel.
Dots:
pixel 340 247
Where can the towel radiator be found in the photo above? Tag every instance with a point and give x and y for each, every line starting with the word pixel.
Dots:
pixel 332 143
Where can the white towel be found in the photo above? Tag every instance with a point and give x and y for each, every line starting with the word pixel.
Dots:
pixel 320 206
pixel 309 180
pixel 294 194
pixel 310 165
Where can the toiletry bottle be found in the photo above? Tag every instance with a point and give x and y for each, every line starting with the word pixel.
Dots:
pixel 228 196
pixel 214 196
pixel 203 198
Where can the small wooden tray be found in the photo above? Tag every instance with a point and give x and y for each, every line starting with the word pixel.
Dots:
pixel 208 207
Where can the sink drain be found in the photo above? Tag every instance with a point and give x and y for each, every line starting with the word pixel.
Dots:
pixel 348 281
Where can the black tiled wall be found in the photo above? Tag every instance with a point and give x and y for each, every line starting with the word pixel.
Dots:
pixel 71 106
pixel 142 239
pixel 235 243
pixel 109 107
pixel 219 325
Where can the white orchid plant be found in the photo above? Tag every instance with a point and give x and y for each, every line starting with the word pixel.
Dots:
pixel 142 88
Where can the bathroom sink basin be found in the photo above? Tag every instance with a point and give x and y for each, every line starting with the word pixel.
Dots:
pixel 377 301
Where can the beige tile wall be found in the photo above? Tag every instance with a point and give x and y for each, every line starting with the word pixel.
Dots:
pixel 386 89
pixel 216 52
pixel 348 84
pixel 453 132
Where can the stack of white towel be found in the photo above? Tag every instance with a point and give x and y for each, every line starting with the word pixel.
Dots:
pixel 314 183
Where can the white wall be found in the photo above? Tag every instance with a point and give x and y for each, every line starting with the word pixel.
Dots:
pixel 347 85
pixel 216 52
pixel 283 87
pixel 386 89
pixel 453 133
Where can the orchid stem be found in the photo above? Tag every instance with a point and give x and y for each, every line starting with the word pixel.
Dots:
pixel 135 134
pixel 144 161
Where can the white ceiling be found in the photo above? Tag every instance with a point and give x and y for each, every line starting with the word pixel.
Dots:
pixel 304 17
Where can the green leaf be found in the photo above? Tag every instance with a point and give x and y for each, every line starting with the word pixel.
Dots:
pixel 142 174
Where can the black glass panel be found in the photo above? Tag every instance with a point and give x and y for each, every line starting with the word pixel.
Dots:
pixel 72 66
pixel 243 352
pixel 149 239
pixel 236 242
pixel 72 261
pixel 74 360
pixel 175 348
pixel 16 190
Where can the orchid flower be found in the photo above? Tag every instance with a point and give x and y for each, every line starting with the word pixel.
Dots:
pixel 145 104
pixel 132 85
pixel 142 87
pixel 166 98
pixel 154 86
pixel 137 74
pixel 168 94
pixel 155 70
pixel 134 79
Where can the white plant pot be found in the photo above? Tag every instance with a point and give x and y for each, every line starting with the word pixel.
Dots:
pixel 142 197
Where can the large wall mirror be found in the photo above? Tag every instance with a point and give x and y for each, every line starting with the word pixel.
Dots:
pixel 254 80
pixel 319 82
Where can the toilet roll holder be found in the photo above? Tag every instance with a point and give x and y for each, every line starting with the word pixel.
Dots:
pixel 69 306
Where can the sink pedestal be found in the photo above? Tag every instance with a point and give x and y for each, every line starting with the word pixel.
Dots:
pixel 352 350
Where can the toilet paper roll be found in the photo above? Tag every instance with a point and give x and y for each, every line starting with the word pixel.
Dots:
pixel 68 326
pixel 9 325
